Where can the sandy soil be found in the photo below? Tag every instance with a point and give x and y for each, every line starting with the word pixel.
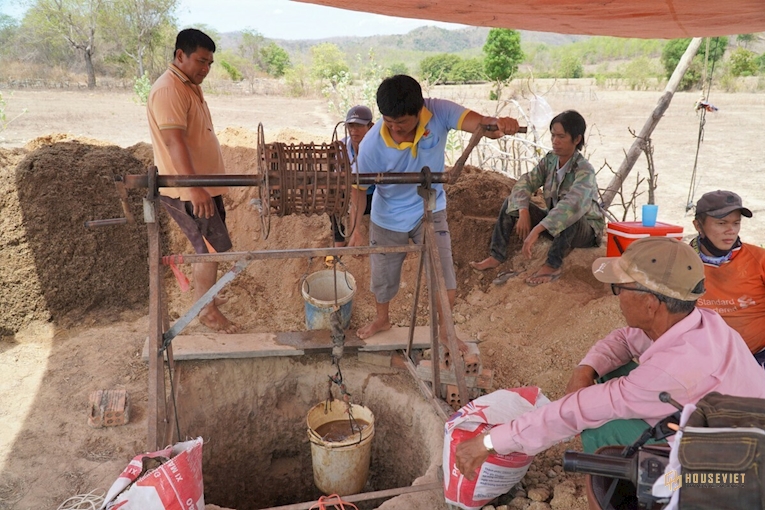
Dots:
pixel 70 326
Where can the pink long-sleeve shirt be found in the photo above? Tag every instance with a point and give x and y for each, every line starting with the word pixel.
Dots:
pixel 697 355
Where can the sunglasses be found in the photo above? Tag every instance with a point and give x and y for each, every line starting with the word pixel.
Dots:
pixel 617 289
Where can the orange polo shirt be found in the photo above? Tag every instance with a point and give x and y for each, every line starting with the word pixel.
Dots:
pixel 736 290
pixel 176 103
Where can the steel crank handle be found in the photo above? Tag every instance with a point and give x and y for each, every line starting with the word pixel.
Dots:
pixel 493 127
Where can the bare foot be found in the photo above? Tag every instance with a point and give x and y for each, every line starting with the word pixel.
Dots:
pixel 544 274
pixel 214 319
pixel 487 263
pixel 220 300
pixel 373 328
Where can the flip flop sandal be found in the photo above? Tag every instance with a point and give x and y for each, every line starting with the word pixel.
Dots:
pixel 548 278
pixel 503 276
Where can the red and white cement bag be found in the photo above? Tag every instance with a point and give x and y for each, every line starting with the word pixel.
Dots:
pixel 175 484
pixel 499 473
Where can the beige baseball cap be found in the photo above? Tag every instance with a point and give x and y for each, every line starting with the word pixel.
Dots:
pixel 661 264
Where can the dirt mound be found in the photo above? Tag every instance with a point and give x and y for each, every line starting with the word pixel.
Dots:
pixel 58 269
pixel 42 141
pixel 472 206
pixel 143 152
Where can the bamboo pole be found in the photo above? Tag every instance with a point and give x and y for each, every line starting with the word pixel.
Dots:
pixel 651 123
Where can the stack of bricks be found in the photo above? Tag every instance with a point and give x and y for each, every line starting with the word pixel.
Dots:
pixel 478 379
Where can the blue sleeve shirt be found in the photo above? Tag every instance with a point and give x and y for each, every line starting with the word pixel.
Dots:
pixel 398 207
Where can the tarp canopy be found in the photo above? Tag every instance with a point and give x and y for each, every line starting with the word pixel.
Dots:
pixel 647 19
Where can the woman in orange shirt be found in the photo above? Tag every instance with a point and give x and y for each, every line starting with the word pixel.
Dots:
pixel 734 271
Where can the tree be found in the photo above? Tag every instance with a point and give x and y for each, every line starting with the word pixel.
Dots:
pixel 743 62
pixel 468 70
pixel 275 59
pixel 674 49
pixel 8 28
pixel 570 67
pixel 438 68
pixel 397 68
pixel 248 61
pixel 744 39
pixel 140 27
pixel 76 21
pixel 328 63
pixel 503 53
pixel 250 46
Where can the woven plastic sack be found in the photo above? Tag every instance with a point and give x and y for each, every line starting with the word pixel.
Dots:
pixel 499 473
pixel 169 479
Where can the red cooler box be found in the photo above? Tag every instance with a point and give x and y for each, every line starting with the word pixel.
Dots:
pixel 622 234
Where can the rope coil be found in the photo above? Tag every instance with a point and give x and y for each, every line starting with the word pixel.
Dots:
pixel 332 501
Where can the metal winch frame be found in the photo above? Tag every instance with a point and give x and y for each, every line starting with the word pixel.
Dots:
pixel 295 179
pixel 292 179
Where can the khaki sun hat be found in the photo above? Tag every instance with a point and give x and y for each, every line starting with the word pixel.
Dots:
pixel 661 264
pixel 721 203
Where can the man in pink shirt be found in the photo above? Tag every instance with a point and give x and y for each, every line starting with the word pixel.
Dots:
pixel 681 349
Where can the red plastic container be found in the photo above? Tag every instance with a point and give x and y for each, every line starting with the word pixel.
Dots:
pixel 622 234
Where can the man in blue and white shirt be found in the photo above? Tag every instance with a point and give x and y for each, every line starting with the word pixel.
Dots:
pixel 412 135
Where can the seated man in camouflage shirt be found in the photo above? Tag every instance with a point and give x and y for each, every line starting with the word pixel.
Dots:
pixel 572 217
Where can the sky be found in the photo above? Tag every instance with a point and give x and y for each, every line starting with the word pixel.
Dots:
pixel 283 19
pixel 280 19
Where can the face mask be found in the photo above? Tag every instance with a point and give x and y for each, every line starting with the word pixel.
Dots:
pixel 711 248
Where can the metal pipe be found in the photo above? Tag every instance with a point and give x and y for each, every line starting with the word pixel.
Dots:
pixel 367 496
pixel 193 181
pixel 106 223
pixel 287 254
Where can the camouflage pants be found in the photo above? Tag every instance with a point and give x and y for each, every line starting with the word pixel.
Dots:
pixel 578 235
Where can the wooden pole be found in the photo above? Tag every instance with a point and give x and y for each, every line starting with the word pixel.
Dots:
pixel 435 346
pixel 650 124
pixel 413 318
pixel 445 310
pixel 156 405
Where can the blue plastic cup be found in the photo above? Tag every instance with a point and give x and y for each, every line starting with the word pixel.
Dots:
pixel 649 215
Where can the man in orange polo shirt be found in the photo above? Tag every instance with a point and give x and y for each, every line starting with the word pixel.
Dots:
pixel 184 143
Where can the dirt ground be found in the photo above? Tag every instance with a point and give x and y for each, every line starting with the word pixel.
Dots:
pixel 73 314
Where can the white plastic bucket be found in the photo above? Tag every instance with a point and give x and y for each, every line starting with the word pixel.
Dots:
pixel 319 294
pixel 340 467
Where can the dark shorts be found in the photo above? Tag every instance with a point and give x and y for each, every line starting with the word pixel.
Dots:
pixel 198 229
pixel 337 232
pixel 386 267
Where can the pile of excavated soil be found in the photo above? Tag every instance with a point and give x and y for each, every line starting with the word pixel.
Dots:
pixel 54 267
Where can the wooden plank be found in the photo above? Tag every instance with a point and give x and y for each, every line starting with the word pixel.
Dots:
pixel 223 346
pixel 261 345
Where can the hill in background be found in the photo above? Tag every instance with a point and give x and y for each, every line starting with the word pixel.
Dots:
pixel 409 48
